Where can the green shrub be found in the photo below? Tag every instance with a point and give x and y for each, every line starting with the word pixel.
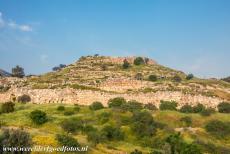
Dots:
pixel 72 125
pixel 125 64
pixel 95 137
pixel 139 61
pixel 77 108
pixel 143 124
pixel 136 152
pixel 68 113
pixel 116 102
pixel 132 106
pixel 218 128
pixel 186 109
pixel 152 78
pixel 104 117
pixel 189 76
pixel 66 140
pixel 61 108
pixel 38 117
pixel 168 105
pixel 177 78
pixel 24 99
pixel 112 133
pixel 96 106
pixel 150 106
pixel 7 107
pixel 15 138
pixel 187 120
pixel 224 107
pixel 207 112
pixel 198 108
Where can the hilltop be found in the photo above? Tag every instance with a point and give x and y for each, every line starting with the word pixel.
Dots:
pixel 100 78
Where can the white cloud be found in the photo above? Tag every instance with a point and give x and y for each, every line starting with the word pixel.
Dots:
pixel 14 25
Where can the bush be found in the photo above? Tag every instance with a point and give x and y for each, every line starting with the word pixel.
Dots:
pixel 132 106
pixel 72 125
pixel 143 124
pixel 125 64
pixel 68 113
pixel 186 109
pixel 116 102
pixel 189 76
pixel 112 133
pixel 168 105
pixel 198 108
pixel 66 140
pixel 150 106
pixel 136 152
pixel 60 108
pixel 95 137
pixel 24 99
pixel 15 138
pixel 152 78
pixel 218 128
pixel 139 61
pixel 187 120
pixel 96 106
pixel 224 107
pixel 38 117
pixel 207 111
pixel 7 107
pixel 177 78
pixel 104 117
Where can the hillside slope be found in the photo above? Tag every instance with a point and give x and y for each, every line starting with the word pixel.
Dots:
pixel 100 78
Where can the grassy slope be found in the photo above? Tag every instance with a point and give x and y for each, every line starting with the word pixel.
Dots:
pixel 45 134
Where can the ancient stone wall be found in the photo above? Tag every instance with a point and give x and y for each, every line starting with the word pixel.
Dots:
pixel 86 97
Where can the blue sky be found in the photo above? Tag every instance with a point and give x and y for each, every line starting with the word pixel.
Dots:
pixel 192 35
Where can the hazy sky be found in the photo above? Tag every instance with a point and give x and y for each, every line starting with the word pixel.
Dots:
pixel 189 35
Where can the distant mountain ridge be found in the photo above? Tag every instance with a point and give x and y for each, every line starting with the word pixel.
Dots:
pixel 4 73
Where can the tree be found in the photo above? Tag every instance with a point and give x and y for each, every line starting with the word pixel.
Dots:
pixel 60 108
pixel 96 106
pixel 186 109
pixel 168 105
pixel 139 61
pixel 189 76
pixel 24 98
pixel 16 138
pixel 18 72
pixel 38 117
pixel 152 78
pixel 207 111
pixel 116 102
pixel 125 64
pixel 59 67
pixel 7 107
pixel 224 107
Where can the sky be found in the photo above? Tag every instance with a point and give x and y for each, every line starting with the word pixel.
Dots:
pixel 192 36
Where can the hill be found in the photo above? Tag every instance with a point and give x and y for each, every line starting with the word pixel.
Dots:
pixel 102 78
